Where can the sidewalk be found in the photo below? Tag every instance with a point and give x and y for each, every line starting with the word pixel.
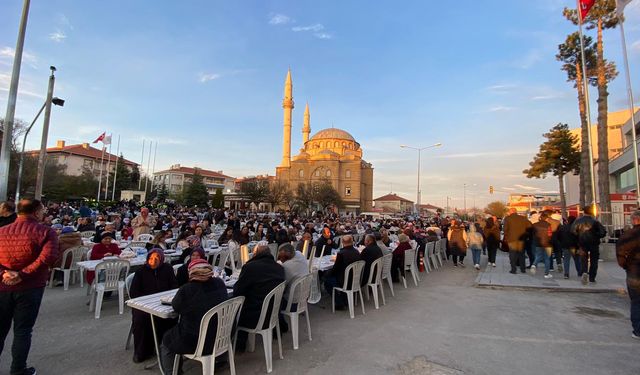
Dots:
pixel 611 278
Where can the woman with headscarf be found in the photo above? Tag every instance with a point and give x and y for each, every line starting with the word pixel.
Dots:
pixel 105 248
pixel 192 301
pixel 182 275
pixel 154 277
pixel 159 239
pixel 397 262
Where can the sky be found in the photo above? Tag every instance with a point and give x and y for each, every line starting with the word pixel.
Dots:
pixel 205 80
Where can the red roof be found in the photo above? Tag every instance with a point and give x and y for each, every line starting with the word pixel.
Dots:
pixel 191 171
pixel 83 150
pixel 392 198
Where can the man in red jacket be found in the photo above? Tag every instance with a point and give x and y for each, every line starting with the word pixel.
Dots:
pixel 27 250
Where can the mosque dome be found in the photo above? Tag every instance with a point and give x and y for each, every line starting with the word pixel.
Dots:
pixel 333 133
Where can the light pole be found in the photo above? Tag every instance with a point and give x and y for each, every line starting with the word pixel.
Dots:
pixel 56 101
pixel 464 187
pixel 45 134
pixel 419 149
pixel 5 153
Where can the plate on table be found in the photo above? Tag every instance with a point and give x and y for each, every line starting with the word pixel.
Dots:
pixel 166 300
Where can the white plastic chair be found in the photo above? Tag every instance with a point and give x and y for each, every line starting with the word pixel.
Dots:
pixel 112 270
pixel 87 234
pixel 299 292
pixel 430 256
pixel 443 248
pixel 274 298
pixel 273 247
pixel 409 266
pixel 437 251
pixel 219 258
pixel 375 282
pixel 144 237
pixel 312 256
pixel 386 271
pixel 227 313
pixel 75 253
pixel 234 257
pixel 127 283
pixel 355 269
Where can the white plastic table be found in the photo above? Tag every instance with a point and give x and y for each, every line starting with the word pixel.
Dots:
pixel 90 265
pixel 319 264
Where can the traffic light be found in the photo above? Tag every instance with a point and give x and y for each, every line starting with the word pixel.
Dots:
pixel 490 189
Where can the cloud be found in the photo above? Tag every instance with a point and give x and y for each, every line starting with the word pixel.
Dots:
pixel 5 82
pixel 529 60
pixel 484 154
pixel 501 108
pixel 635 46
pixel 278 19
pixel 508 188
pixel 64 21
pixel 502 88
pixel 323 36
pixel 526 187
pixel 57 36
pixel 7 53
pixel 206 77
pixel 315 28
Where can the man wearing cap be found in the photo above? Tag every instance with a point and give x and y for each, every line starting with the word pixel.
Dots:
pixel 27 250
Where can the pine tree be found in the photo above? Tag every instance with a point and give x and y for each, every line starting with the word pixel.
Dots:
pixel 195 193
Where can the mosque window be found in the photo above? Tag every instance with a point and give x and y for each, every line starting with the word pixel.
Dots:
pixel 347 190
pixel 317 173
pixel 301 173
pixel 336 144
pixel 348 173
pixel 328 174
pixel 344 144
pixel 321 144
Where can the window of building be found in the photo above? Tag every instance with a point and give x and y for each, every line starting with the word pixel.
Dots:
pixel 347 190
pixel 336 144
pixel 328 173
pixel 317 173
pixel 87 163
pixel 348 173
pixel 301 173
pixel 321 144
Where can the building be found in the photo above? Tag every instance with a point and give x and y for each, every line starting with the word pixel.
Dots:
pixel 236 201
pixel 331 155
pixel 393 203
pixel 527 202
pixel 429 209
pixel 82 157
pixel 176 177
pixel 621 168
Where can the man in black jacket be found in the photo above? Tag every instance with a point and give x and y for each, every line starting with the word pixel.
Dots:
pixel 517 230
pixel 7 213
pixel 589 232
pixel 628 255
pixel 347 255
pixel 325 243
pixel 370 253
pixel 258 277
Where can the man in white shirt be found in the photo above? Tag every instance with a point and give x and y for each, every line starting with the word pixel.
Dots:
pixel 295 264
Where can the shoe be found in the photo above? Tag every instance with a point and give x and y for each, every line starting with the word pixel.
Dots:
pixel 566 277
pixel 512 272
pixel 585 278
pixel 461 265
pixel 533 270
pixel 27 371
pixel 477 266
pixel 455 264
pixel 548 276
pixel 493 264
pixel 635 336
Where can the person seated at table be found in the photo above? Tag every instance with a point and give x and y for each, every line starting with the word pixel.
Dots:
pixel 397 264
pixel 182 241
pixel 282 237
pixel 295 265
pixel 107 228
pixel 182 275
pixel 335 278
pixel 85 224
pixel 127 230
pixel 306 236
pixel 159 239
pixel 243 237
pixel 105 248
pixel 384 237
pixel 259 234
pixel 202 293
pixel 258 277
pixel 385 249
pixel 226 236
pixel 326 243
pixel 370 253
pixel 154 277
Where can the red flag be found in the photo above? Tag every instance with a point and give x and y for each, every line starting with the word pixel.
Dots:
pixel 585 7
pixel 100 138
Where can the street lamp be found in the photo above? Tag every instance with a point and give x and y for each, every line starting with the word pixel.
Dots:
pixel 57 101
pixel 464 186
pixel 419 149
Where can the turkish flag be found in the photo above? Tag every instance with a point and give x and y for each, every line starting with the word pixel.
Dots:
pixel 100 138
pixel 585 7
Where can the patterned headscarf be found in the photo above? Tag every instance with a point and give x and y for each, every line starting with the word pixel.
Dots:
pixel 200 270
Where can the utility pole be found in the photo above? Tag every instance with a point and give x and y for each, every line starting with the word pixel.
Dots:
pixel 42 158
pixel 5 153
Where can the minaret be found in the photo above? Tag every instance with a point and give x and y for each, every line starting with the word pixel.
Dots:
pixel 287 105
pixel 306 128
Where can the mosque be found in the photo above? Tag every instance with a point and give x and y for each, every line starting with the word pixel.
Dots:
pixel 329 155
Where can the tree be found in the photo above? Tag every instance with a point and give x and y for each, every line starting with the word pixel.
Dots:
pixel 254 191
pixel 163 193
pixel 276 194
pixel 135 177
pixel 218 199
pixel 122 177
pixel 497 209
pixel 326 196
pixel 305 197
pixel 602 16
pixel 195 193
pixel 558 155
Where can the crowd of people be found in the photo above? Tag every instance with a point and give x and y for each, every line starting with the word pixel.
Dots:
pixel 542 237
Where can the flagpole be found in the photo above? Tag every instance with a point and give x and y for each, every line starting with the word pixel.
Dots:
pixel 587 108
pixel 146 175
pixel 141 166
pixel 631 108
pixel 106 185
pixel 100 178
pixel 115 173
pixel 153 169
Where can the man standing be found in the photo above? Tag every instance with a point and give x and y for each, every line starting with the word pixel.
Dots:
pixel 516 233
pixel 27 250
pixel 589 232
pixel 142 223
pixel 7 213
pixel 628 254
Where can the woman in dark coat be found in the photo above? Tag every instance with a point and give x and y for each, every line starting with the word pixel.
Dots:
pixel 154 277
pixel 492 237
pixel 193 300
pixel 397 262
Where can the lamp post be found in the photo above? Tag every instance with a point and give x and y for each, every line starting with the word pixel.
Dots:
pixel 464 187
pixel 419 149
pixel 56 101
pixel 42 158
